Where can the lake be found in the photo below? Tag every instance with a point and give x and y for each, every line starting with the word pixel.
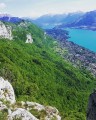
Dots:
pixel 85 38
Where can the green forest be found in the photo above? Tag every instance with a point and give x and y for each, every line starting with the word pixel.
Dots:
pixel 39 74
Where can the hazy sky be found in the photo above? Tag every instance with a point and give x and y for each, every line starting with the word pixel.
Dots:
pixel 39 7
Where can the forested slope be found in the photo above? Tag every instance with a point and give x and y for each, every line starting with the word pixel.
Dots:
pixel 38 74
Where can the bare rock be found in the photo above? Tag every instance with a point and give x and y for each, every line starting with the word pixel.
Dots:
pixel 52 113
pixel 5 31
pixel 29 38
pixel 22 114
pixel 6 91
pixel 2 106
pixel 21 110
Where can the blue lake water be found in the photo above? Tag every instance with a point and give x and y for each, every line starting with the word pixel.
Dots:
pixel 85 38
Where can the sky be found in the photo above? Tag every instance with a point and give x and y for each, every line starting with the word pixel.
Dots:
pixel 35 8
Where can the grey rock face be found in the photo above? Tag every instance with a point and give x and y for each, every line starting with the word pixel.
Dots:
pixel 29 38
pixel 2 106
pixel 51 112
pixel 5 31
pixel 22 114
pixel 91 111
pixel 22 110
pixel 6 91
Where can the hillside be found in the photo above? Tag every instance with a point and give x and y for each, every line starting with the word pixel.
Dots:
pixel 77 55
pixel 39 74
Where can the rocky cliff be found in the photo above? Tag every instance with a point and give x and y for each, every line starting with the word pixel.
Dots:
pixel 5 31
pixel 23 110
pixel 29 38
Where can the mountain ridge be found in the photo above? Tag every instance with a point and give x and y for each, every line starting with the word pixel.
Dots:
pixel 78 20
pixel 55 20
pixel 9 18
pixel 39 74
pixel 87 21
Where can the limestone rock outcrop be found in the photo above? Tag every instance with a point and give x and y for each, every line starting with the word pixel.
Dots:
pixel 6 91
pixel 29 38
pixel 33 105
pixel 2 106
pixel 5 31
pixel 23 110
pixel 50 112
pixel 21 114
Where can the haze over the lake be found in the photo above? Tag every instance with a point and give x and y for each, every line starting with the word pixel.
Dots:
pixel 35 8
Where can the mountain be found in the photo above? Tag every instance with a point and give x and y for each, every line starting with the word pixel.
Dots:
pixel 9 18
pixel 37 73
pixel 87 21
pixel 50 21
pixel 74 20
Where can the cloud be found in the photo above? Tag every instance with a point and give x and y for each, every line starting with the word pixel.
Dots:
pixel 2 5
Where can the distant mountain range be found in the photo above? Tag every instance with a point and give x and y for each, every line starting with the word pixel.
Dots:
pixel 9 18
pixel 74 20
pixel 87 21
pixel 49 21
